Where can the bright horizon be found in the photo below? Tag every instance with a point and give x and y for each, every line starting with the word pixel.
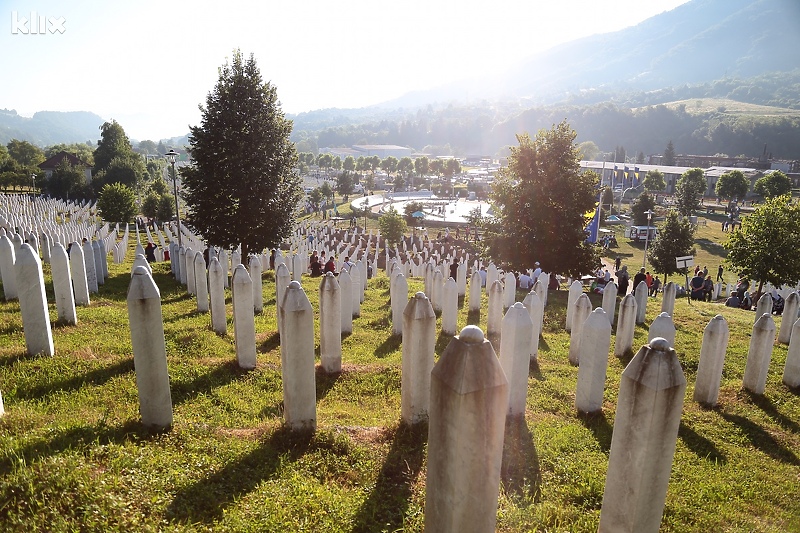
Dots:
pixel 149 66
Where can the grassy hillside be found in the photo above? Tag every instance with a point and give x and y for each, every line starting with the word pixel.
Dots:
pixel 704 106
pixel 73 455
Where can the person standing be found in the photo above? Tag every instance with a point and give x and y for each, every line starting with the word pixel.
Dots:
pixel 622 280
pixel 639 277
pixel 719 273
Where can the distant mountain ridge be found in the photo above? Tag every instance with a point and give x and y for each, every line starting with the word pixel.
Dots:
pixel 46 128
pixel 697 42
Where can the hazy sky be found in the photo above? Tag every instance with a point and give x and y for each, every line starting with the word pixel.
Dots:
pixel 150 64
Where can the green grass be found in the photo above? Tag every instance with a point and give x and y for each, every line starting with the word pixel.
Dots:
pixel 74 457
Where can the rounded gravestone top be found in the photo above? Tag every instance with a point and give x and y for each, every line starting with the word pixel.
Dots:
pixel 718 317
pixel 659 343
pixel 664 314
pixel 140 255
pixel 327 275
pixel 471 335
pixel 420 295
pixel 518 305
pixel 140 271
pixel 296 284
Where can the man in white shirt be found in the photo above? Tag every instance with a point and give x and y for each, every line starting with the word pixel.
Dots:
pixel 537 271
pixel 525 281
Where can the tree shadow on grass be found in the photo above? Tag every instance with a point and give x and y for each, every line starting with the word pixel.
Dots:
pixel 441 342
pixel 699 445
pixel 205 501
pixel 325 381
pixel 391 344
pixel 270 343
pixel 96 377
pixel 389 500
pixel 75 438
pixel 534 370
pixel 762 439
pixel 766 405
pixel 219 376
pixel 598 424
pixel 474 317
pixel 519 471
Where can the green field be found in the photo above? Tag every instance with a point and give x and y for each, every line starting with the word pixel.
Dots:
pixel 74 457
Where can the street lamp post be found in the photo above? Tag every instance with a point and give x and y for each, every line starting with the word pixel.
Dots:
pixel 171 156
pixel 649 214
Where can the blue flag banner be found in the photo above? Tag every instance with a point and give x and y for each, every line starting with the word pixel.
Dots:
pixel 593 229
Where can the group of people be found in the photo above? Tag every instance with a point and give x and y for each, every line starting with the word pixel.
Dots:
pixel 623 280
pixel 319 266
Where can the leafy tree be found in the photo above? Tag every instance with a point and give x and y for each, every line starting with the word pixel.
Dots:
pixel 129 171
pixel 116 203
pixel 392 225
pixel 166 207
pixel 147 147
pixel 315 197
pixel 113 143
pixel 421 166
pixel 776 183
pixel 83 151
pixel 640 158
pixel 640 207
pixel 344 184
pixel 689 190
pixel 765 247
pixel 326 190
pixel 26 154
pixel 155 169
pixel 349 164
pixel 541 203
pixel 410 208
pixel 452 168
pixel 619 154
pixel 588 150
pixel 389 165
pixel 437 166
pixel 66 181
pixel 159 186
pixel 399 183
pixel 675 239
pixel 149 207
pixel 669 155
pixel 337 163
pixel 654 181
pixel 732 184
pixel 243 187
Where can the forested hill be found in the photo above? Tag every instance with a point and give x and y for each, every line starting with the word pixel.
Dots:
pixel 50 127
pixel 729 116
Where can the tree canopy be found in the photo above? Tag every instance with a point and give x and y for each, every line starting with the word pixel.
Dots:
pixel 765 247
pixel 392 225
pixel 113 143
pixel 640 207
pixel 542 204
pixel 242 187
pixel 116 203
pixel 654 181
pixel 774 184
pixel 675 239
pixel 669 154
pixel 689 190
pixel 732 184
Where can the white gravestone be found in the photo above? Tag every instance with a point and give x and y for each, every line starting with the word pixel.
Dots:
pixel 419 341
pixel 297 360
pixel 515 356
pixel 712 359
pixel 33 302
pixel 330 323
pixel 244 328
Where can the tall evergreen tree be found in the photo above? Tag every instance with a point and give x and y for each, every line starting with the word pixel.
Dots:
pixel 541 204
pixel 113 143
pixel 669 154
pixel 242 187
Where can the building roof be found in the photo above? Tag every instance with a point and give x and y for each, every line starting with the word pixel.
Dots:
pixel 379 147
pixel 54 161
